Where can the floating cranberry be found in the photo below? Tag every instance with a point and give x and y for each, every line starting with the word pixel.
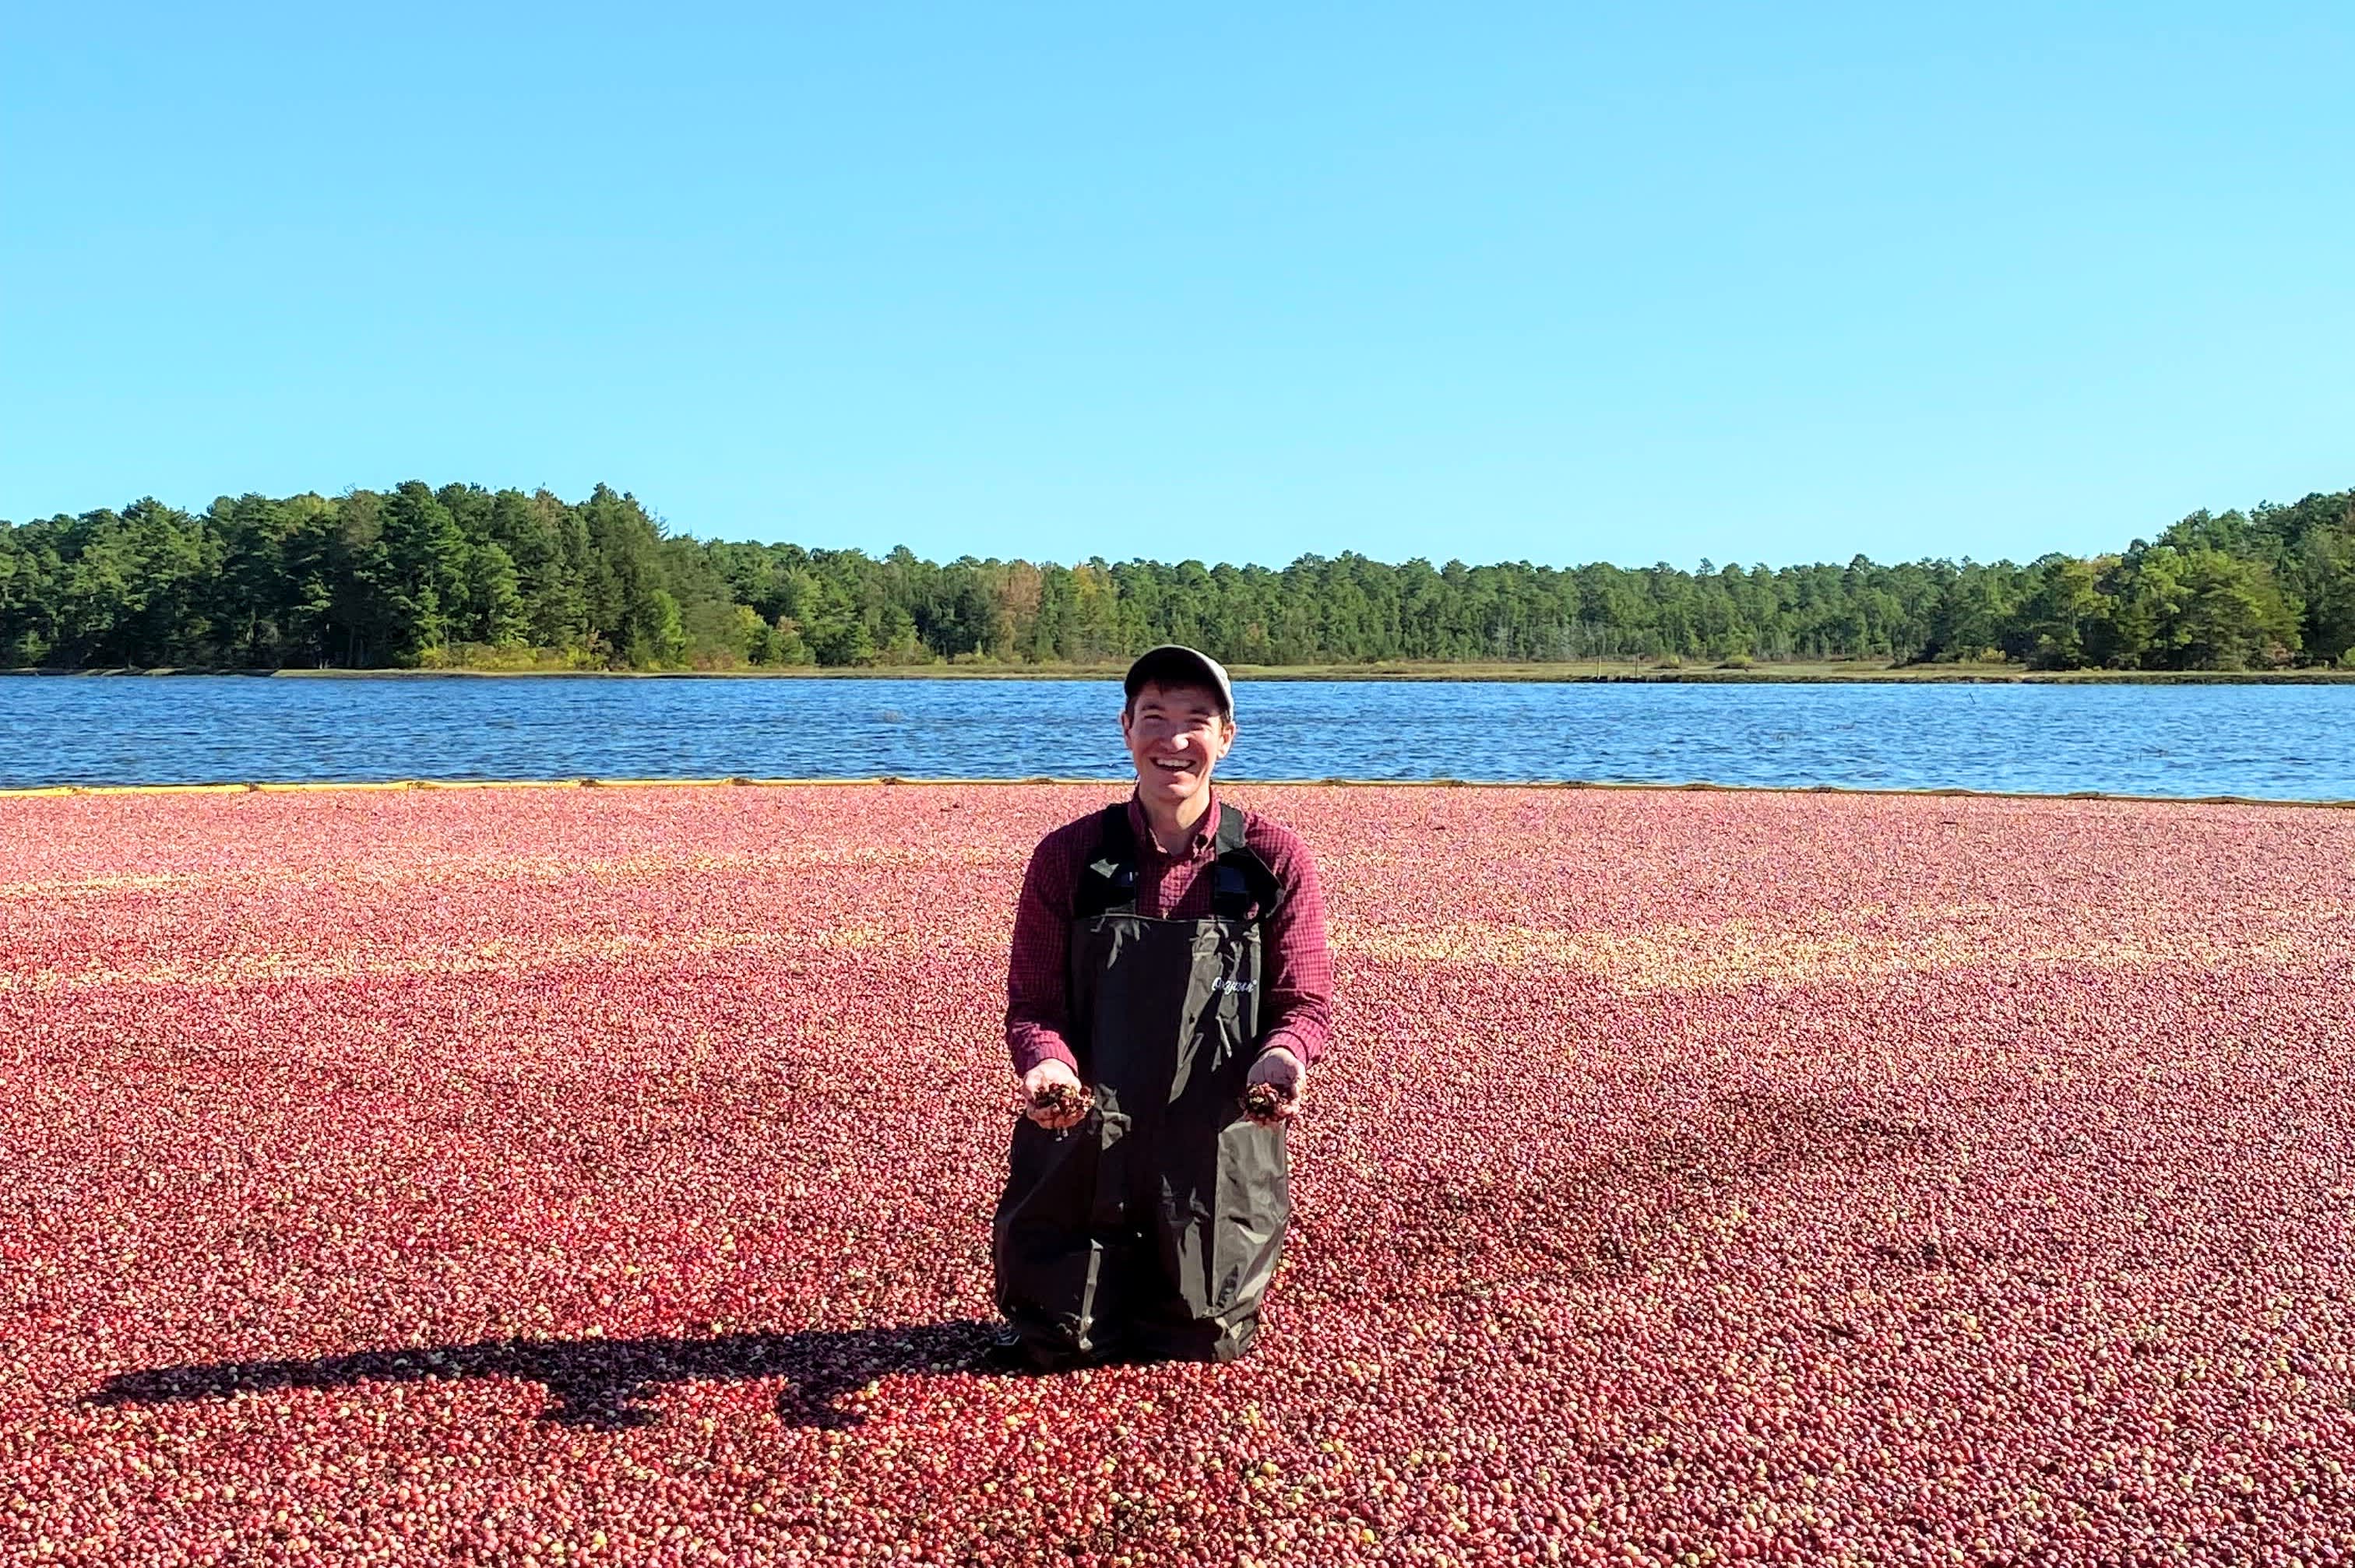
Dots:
pixel 603 1177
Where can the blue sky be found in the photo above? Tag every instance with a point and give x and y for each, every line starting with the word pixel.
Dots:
pixel 1552 282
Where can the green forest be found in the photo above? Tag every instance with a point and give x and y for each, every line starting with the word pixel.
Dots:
pixel 467 577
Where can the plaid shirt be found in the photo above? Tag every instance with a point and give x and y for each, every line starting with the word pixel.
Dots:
pixel 1295 991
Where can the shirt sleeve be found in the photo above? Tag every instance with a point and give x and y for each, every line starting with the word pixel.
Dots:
pixel 1038 1000
pixel 1296 1002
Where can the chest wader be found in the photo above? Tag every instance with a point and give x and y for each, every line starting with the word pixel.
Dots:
pixel 1152 1227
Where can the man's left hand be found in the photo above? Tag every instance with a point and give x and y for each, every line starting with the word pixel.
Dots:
pixel 1282 1071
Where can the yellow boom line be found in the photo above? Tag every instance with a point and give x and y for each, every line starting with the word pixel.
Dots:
pixel 886 780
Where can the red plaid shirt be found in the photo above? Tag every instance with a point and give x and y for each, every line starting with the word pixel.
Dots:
pixel 1295 991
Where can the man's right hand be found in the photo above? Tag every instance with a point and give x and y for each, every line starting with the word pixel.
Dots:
pixel 1042 1076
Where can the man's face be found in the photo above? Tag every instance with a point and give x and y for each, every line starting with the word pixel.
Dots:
pixel 1176 736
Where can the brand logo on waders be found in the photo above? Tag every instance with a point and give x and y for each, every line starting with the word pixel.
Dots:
pixel 1223 984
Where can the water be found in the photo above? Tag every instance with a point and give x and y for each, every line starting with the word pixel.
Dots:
pixel 2283 742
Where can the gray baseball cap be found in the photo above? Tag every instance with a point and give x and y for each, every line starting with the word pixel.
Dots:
pixel 1173 665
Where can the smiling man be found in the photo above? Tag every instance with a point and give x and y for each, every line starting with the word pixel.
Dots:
pixel 1170 964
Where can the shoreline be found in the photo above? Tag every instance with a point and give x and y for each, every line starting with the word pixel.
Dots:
pixel 889 781
pixel 1574 673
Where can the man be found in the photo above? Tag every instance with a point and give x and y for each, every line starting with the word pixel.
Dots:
pixel 1169 961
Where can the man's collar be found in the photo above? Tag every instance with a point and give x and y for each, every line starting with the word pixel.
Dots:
pixel 1205 830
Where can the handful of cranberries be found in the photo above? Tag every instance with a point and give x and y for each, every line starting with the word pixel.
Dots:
pixel 1060 1100
pixel 1266 1102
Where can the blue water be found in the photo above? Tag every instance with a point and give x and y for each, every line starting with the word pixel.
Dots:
pixel 2283 742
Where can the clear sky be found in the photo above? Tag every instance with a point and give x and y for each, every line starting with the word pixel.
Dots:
pixel 1549 282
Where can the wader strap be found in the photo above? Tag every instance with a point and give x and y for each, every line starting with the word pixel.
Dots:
pixel 1108 881
pixel 1242 881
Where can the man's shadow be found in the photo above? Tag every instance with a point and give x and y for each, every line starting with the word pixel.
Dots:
pixel 608 1384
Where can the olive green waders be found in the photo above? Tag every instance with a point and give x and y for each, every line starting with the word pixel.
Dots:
pixel 1151 1229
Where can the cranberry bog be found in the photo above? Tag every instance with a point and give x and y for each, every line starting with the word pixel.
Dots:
pixel 569 1175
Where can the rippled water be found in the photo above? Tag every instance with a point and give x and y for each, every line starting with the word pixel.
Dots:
pixel 2283 742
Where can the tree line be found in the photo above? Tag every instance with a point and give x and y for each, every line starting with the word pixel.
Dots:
pixel 465 576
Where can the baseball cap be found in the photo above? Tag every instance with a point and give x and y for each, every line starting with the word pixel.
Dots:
pixel 1173 665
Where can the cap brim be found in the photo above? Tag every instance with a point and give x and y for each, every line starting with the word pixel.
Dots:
pixel 1174 665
